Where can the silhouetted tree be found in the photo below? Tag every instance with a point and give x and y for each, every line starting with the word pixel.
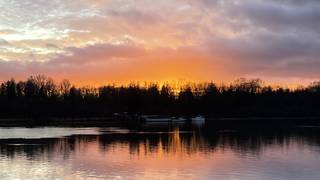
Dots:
pixel 39 96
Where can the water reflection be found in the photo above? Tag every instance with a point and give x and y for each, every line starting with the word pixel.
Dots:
pixel 184 152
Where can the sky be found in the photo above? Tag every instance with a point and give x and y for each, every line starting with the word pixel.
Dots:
pixel 120 41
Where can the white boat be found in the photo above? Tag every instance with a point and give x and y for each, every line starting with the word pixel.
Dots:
pixel 199 120
pixel 158 118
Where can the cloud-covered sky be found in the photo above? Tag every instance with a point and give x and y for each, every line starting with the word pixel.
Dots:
pixel 104 41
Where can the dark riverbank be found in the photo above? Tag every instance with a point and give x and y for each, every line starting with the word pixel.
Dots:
pixel 39 97
pixel 114 121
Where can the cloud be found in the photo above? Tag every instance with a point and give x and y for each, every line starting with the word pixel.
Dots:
pixel 7 31
pixel 275 17
pixel 202 39
pixel 267 55
pixel 96 53
pixel 105 63
pixel 3 42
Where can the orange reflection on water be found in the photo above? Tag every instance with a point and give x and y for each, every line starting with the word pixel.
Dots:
pixel 166 157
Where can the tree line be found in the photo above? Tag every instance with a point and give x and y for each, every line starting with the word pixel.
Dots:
pixel 39 96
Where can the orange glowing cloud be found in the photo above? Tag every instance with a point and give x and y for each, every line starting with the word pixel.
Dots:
pixel 106 41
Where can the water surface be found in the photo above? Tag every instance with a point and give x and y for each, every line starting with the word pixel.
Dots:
pixel 160 152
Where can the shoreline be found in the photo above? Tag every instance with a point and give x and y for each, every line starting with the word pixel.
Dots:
pixel 113 121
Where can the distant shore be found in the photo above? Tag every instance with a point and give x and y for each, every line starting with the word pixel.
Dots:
pixel 40 96
pixel 111 121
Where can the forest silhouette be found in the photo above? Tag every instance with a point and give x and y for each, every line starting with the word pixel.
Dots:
pixel 39 96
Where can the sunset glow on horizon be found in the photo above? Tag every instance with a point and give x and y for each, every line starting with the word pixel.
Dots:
pixel 95 42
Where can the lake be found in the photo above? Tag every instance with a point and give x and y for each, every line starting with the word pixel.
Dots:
pixel 160 151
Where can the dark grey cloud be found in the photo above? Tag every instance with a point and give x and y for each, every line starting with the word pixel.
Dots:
pixel 266 47
pixel 137 17
pixel 272 16
pixel 297 2
pixel 51 46
pixel 268 54
pixel 96 53
pixel 281 37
